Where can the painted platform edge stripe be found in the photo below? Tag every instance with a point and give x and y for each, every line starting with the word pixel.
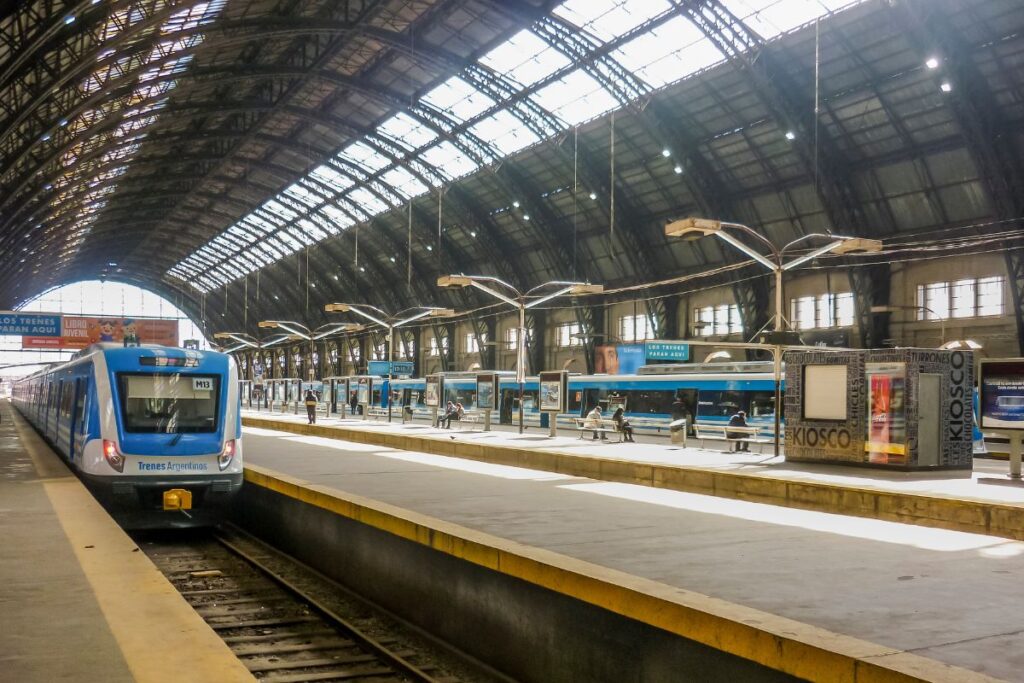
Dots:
pixel 1005 520
pixel 776 642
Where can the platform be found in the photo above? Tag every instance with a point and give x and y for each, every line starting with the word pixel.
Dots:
pixel 984 501
pixel 79 601
pixel 816 595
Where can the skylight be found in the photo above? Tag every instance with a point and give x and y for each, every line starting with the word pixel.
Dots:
pixel 505 131
pixel 365 157
pixel 404 182
pixel 407 131
pixel 576 97
pixel 668 53
pixel 606 20
pixel 458 99
pixel 448 160
pixel 368 202
pixel 769 18
pixel 526 58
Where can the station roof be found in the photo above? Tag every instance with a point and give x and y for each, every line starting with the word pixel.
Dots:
pixel 255 159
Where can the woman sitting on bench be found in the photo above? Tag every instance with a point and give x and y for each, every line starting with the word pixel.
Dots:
pixel 622 424
pixel 738 420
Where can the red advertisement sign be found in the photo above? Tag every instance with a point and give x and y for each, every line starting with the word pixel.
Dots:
pixel 78 332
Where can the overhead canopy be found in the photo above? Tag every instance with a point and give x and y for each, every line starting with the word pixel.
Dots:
pixel 254 159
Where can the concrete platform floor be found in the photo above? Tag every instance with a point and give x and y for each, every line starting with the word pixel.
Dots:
pixel 78 601
pixel 950 596
pixel 987 482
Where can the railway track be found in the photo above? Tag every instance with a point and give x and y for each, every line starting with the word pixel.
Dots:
pixel 284 621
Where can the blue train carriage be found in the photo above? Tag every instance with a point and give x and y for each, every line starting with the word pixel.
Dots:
pixel 155 432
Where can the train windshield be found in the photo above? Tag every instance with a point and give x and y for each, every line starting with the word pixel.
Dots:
pixel 169 403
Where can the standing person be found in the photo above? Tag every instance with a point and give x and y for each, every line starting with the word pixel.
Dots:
pixel 593 421
pixel 622 425
pixel 353 403
pixel 738 420
pixel 311 406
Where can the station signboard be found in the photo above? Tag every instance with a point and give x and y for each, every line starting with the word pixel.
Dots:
pixel 487 391
pixel 1001 394
pixel 398 368
pixel 434 391
pixel 554 391
pixel 45 325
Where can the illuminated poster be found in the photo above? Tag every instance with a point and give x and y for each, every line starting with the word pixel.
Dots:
pixel 887 424
pixel 432 394
pixel 1002 394
pixel 553 388
pixel 485 392
pixel 363 391
pixel 79 332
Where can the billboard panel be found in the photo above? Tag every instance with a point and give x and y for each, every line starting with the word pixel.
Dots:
pixel 78 332
pixel 1002 393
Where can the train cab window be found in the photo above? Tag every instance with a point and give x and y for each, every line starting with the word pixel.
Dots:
pixel 169 403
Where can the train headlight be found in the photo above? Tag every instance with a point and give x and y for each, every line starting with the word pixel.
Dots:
pixel 226 455
pixel 112 456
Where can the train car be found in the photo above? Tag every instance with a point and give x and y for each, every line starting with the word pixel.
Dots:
pixel 155 432
pixel 711 393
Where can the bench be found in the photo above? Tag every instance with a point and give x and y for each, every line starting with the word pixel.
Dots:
pixel 605 427
pixel 717 432
pixel 376 412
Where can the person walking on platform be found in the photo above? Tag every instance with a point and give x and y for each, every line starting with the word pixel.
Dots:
pixel 622 424
pixel 311 406
pixel 738 420
pixel 593 421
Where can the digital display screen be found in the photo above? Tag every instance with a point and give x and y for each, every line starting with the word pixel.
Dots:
pixel 1002 395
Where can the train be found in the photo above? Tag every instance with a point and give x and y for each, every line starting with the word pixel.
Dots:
pixel 154 432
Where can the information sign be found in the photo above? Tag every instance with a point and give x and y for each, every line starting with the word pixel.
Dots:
pixel 30 324
pixel 1001 396
pixel 434 391
pixel 398 368
pixel 554 391
pixel 667 350
pixel 486 391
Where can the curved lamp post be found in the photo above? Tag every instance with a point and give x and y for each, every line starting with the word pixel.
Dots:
pixel 312 336
pixel 520 301
pixel 390 323
pixel 695 228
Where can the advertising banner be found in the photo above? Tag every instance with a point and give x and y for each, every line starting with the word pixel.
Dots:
pixel 486 391
pixel 32 324
pixel 434 391
pixel 667 350
pixel 1002 394
pixel 626 359
pixel 554 391
pixel 76 332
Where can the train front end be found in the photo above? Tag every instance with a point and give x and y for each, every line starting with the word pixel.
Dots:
pixel 168 452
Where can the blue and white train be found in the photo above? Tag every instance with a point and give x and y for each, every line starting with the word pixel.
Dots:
pixel 155 432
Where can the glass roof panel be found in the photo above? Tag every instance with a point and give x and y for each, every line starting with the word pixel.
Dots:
pixel 772 17
pixel 407 131
pixel 337 217
pixel 312 229
pixel 458 99
pixel 609 19
pixel 526 58
pixel 324 223
pixel 576 97
pixel 301 194
pixel 280 210
pixel 448 160
pixel 404 183
pixel 330 177
pixel 368 202
pixel 505 131
pixel 668 53
pixel 364 156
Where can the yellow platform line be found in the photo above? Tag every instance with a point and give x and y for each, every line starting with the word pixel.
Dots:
pixel 160 636
pixel 778 643
pixel 978 516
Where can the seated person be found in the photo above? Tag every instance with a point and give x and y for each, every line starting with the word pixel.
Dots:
pixel 622 424
pixel 738 420
pixel 450 413
pixel 593 421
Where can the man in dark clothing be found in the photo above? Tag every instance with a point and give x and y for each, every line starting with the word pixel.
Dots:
pixel 311 406
pixel 738 420
pixel 354 403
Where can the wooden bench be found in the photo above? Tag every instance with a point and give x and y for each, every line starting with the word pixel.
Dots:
pixel 717 432
pixel 376 412
pixel 605 427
